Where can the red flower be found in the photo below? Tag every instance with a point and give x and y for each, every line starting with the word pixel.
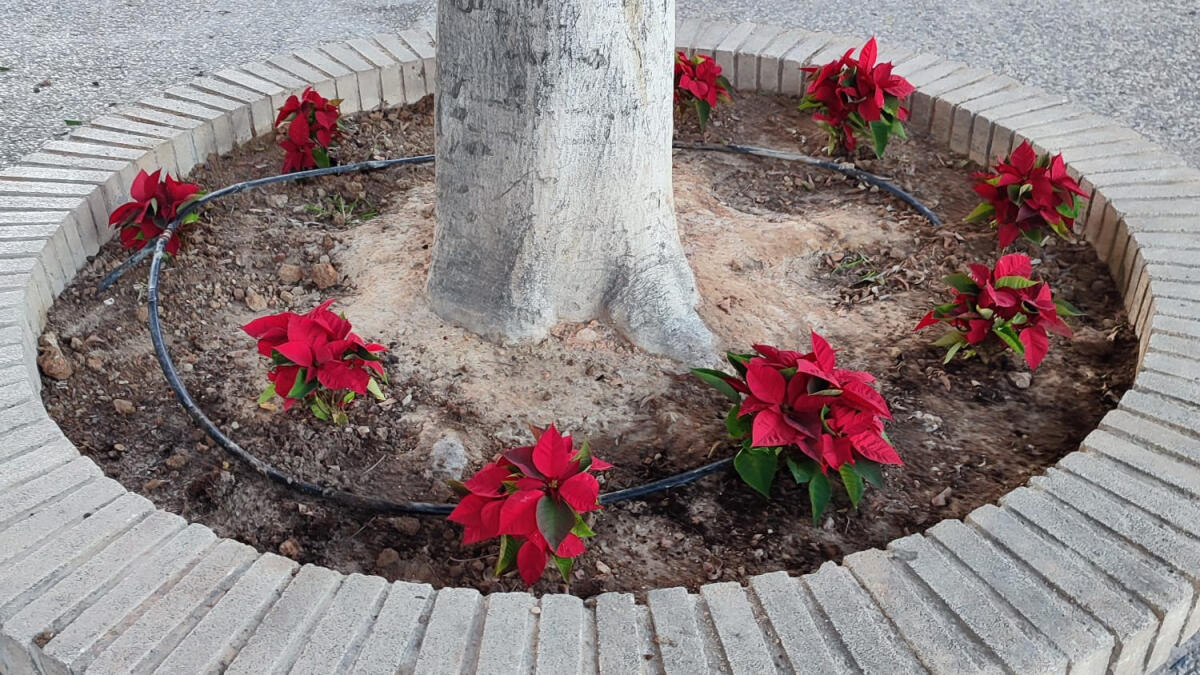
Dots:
pixel 801 411
pixel 857 96
pixel 1005 302
pixel 1027 195
pixel 698 81
pixel 312 129
pixel 531 497
pixel 315 350
pixel 155 204
pixel 804 400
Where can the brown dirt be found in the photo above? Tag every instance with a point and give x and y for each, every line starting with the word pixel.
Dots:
pixel 778 250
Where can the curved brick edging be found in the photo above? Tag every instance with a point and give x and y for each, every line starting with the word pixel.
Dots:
pixel 1094 566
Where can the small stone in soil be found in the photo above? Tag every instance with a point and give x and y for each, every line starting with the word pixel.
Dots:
pixel 940 498
pixel 448 457
pixel 289 273
pixel 387 558
pixel 289 548
pixel 52 361
pixel 123 406
pixel 1021 380
pixel 406 525
pixel 255 301
pixel 323 275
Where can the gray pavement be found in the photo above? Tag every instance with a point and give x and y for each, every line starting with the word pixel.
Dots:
pixel 1136 61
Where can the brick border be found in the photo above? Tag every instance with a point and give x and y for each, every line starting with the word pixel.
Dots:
pixel 1094 566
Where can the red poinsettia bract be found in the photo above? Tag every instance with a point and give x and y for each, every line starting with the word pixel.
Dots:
pixel 1026 195
pixel 155 204
pixel 857 96
pixel 533 498
pixel 312 128
pixel 801 411
pixel 699 83
pixel 1005 302
pixel 317 355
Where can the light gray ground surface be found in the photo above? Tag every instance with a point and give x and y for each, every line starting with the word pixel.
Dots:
pixel 1136 61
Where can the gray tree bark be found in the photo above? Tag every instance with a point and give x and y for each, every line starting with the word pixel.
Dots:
pixel 554 191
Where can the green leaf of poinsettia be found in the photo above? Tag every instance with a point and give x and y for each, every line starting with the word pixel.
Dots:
pixel 508 553
pixel 302 388
pixel 554 520
pixel 1015 282
pixel 702 111
pixel 321 157
pixel 564 566
pixel 582 529
pixel 738 427
pixel 952 338
pixel 1010 338
pixel 819 492
pixel 880 132
pixel 757 467
pixel 952 351
pixel 319 411
pixel 584 456
pixel 1067 309
pixel 739 361
pixel 871 471
pixel 984 211
pixel 1068 208
pixel 267 395
pixel 373 387
pixel 853 483
pixel 802 469
pixel 961 283
pixel 716 379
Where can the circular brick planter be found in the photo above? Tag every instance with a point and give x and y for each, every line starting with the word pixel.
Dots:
pixel 1094 566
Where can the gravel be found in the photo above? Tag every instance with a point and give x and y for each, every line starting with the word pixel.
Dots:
pixel 1138 65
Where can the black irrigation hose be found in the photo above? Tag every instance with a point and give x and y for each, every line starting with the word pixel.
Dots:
pixel 374 504
pixel 847 170
pixel 371 165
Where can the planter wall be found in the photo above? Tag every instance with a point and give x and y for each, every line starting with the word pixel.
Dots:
pixel 1094 566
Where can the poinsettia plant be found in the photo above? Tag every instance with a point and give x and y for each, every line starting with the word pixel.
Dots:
pixel 1027 195
pixel 800 411
pixel 700 84
pixel 1003 304
pixel 155 204
pixel 857 97
pixel 533 499
pixel 316 356
pixel 313 124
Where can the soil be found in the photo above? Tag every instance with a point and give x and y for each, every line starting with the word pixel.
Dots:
pixel 778 249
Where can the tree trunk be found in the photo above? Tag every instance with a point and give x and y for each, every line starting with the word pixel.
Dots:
pixel 554 191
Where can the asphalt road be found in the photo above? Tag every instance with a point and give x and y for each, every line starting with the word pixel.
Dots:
pixel 1136 60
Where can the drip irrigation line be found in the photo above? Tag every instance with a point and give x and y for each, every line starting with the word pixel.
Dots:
pixel 848 170
pixel 371 165
pixel 377 505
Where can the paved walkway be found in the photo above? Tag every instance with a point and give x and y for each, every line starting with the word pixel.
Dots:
pixel 1137 60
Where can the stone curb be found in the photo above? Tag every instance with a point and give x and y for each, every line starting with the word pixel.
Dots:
pixel 1093 567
